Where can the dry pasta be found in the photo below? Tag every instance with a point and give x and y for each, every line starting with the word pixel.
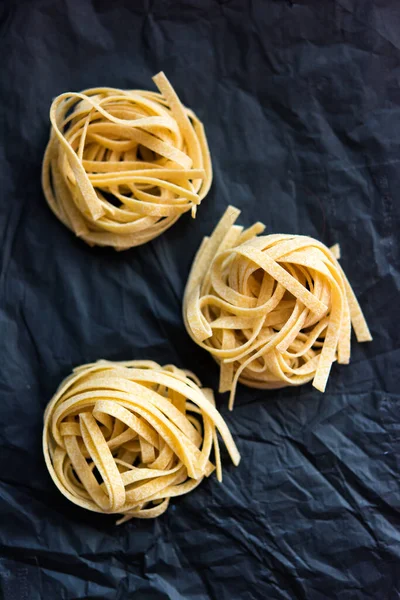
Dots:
pixel 122 166
pixel 273 310
pixel 126 437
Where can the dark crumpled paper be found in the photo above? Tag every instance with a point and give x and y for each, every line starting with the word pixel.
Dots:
pixel 301 105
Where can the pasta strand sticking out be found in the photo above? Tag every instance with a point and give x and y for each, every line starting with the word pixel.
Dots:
pixel 273 310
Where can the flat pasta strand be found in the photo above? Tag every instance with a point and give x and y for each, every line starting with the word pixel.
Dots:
pixel 122 166
pixel 273 310
pixel 125 437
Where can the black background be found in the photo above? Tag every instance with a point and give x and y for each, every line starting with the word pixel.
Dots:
pixel 301 105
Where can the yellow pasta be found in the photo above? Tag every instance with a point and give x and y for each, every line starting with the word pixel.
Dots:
pixel 126 437
pixel 122 166
pixel 273 310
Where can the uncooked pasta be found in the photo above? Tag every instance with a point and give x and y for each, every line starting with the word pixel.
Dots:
pixel 126 437
pixel 122 166
pixel 273 310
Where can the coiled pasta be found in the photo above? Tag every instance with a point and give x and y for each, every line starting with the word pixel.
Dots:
pixel 273 310
pixel 126 437
pixel 122 166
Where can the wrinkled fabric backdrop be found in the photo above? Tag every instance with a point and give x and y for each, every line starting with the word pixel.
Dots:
pixel 301 105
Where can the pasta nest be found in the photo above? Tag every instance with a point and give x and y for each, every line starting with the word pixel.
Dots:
pixel 126 437
pixel 273 310
pixel 122 166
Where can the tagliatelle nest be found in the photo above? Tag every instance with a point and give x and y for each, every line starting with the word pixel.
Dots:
pixel 273 310
pixel 126 437
pixel 122 166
